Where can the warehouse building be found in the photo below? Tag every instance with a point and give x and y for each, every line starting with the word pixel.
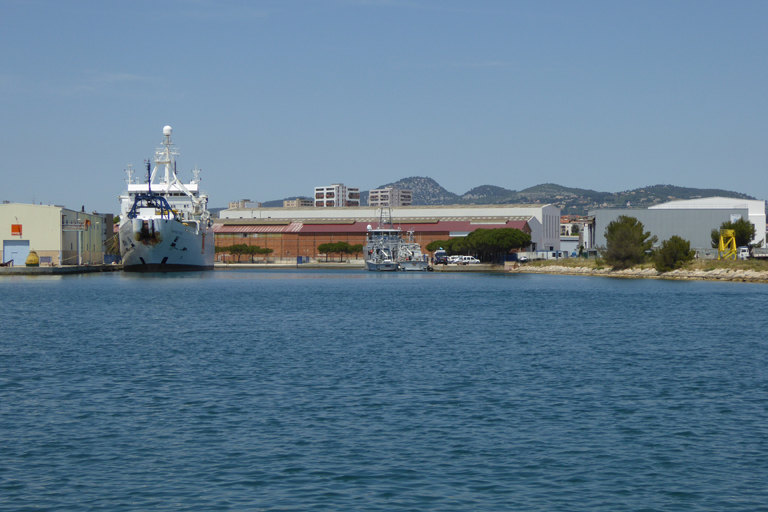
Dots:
pixel 293 233
pixel 58 235
pixel 692 220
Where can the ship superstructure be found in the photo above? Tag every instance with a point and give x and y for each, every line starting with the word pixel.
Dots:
pixel 164 223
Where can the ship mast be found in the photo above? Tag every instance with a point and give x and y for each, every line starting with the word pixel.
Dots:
pixel 165 156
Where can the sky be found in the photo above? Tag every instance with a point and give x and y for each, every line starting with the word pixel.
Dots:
pixel 272 98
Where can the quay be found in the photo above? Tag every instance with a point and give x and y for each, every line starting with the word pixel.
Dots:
pixel 58 271
pixel 353 264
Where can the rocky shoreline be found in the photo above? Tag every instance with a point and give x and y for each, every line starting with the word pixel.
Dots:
pixel 745 276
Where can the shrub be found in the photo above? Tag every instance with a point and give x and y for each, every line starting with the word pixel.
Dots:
pixel 674 254
pixel 744 232
pixel 626 242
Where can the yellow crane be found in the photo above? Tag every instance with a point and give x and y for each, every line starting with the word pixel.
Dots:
pixel 726 249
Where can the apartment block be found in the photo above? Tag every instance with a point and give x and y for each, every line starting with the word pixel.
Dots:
pixel 244 203
pixel 390 196
pixel 298 203
pixel 336 195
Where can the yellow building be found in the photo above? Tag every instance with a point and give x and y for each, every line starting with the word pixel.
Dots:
pixel 58 235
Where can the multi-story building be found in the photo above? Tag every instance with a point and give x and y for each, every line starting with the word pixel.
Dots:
pixel 390 196
pixel 244 203
pixel 336 195
pixel 299 202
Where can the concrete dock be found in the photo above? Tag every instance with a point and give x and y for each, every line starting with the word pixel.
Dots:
pixel 57 271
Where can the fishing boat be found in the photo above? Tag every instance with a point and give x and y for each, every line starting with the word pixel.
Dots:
pixel 387 250
pixel 165 225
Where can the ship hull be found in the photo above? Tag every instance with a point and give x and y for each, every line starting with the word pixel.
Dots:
pixel 414 265
pixel 389 266
pixel 165 245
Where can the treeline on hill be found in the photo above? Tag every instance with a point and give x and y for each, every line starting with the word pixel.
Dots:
pixel 628 244
pixel 487 244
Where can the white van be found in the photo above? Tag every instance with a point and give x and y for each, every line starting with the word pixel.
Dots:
pixel 467 260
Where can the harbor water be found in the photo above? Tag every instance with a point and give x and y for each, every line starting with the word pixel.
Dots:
pixel 353 390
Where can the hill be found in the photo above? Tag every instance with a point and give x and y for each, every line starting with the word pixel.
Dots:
pixel 426 191
pixel 571 201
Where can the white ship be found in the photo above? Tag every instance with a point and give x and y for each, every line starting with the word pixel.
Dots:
pixel 386 250
pixel 165 224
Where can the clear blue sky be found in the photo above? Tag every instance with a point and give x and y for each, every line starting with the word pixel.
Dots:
pixel 272 98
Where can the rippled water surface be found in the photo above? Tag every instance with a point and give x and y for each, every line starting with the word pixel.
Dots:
pixel 302 390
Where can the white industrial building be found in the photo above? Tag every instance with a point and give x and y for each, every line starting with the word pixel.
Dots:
pixel 58 235
pixel 692 219
pixel 755 210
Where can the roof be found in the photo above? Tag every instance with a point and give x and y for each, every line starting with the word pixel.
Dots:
pixel 755 207
pixel 251 228
pixel 400 214
pixel 362 227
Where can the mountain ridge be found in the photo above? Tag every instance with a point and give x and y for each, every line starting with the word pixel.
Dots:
pixel 571 201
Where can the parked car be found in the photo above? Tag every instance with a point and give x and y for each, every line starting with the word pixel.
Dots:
pixel 467 260
pixel 743 253
pixel 441 258
pixel 522 259
pixel 453 259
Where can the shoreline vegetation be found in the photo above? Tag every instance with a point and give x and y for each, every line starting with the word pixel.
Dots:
pixel 748 271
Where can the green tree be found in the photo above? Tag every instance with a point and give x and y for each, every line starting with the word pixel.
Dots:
pixel 221 250
pixel 744 231
pixel 627 243
pixel 356 249
pixel 329 248
pixel 252 250
pixel 342 248
pixel 674 253
pixel 238 250
pixel 264 251
pixel 456 245
pixel 112 246
pixel 435 245
pixel 494 244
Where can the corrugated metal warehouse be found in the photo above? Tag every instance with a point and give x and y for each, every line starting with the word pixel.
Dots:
pixel 692 220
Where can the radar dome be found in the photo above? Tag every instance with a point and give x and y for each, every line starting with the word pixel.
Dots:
pixel 167 131
pixel 369 227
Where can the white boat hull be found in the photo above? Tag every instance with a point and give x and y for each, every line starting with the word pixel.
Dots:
pixel 171 246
